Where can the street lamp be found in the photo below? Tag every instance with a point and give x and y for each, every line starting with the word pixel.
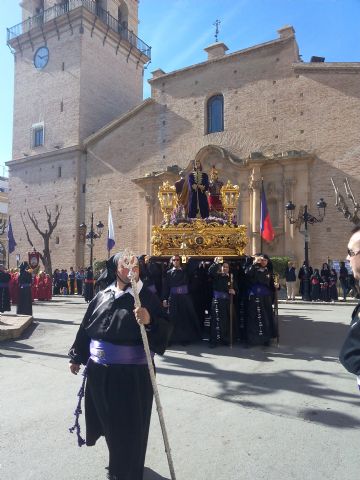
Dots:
pixel 306 218
pixel 92 235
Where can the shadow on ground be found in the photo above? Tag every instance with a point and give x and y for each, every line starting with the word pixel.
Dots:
pixel 301 339
pixel 151 475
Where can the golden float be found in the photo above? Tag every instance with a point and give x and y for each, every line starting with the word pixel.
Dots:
pixel 199 237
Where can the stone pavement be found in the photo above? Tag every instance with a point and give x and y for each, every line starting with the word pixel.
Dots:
pixel 12 325
pixel 275 413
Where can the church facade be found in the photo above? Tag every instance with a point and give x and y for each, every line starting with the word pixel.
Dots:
pixel 83 136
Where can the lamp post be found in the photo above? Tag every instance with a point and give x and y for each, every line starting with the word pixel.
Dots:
pixel 92 235
pixel 306 218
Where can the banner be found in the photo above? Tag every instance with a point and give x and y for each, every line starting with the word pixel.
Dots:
pixel 111 234
pixel 266 228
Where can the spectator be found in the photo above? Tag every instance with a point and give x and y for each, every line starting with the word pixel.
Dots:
pixel 72 281
pixel 290 277
pixel 344 280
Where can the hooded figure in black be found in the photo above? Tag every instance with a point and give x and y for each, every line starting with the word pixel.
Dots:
pixel 177 298
pixel 224 285
pixel 261 325
pixel 89 285
pixel 5 278
pixel 24 306
pixel 118 393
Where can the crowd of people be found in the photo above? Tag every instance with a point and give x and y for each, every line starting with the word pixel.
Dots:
pixel 323 283
pixel 79 282
pixel 21 287
pixel 234 299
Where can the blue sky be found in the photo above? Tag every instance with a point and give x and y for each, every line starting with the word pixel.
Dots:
pixel 179 30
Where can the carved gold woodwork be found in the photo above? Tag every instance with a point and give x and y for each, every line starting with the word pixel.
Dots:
pixel 199 238
pixel 167 198
pixel 229 198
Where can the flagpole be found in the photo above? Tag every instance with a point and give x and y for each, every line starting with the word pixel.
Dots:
pixel 261 195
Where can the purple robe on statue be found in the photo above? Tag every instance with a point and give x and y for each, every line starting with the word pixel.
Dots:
pixel 198 186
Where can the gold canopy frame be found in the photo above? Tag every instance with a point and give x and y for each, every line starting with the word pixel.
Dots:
pixel 198 237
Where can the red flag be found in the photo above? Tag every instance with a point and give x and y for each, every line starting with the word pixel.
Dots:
pixel 266 228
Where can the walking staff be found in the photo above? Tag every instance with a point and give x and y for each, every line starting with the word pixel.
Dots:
pixel 231 309
pixel 130 261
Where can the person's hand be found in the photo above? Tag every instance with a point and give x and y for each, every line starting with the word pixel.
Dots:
pixel 202 187
pixel 231 291
pixel 142 315
pixel 194 186
pixel 74 368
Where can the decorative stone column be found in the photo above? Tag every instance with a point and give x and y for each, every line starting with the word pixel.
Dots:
pixel 255 186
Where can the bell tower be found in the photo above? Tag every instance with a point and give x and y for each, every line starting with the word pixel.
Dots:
pixel 78 66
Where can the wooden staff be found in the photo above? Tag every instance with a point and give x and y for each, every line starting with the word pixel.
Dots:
pixel 231 310
pixel 130 262
pixel 276 307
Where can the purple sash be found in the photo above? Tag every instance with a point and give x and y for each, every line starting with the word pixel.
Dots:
pixel 221 295
pixel 259 290
pixel 107 353
pixel 180 290
pixel 152 288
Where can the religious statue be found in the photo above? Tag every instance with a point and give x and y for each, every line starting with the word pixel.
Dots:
pixel 215 185
pixel 198 186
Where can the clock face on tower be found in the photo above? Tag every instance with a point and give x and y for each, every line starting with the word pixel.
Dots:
pixel 41 57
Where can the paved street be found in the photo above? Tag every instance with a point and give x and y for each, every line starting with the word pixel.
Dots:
pixel 277 413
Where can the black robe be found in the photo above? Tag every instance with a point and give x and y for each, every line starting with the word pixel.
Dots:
pixel 220 307
pixel 181 308
pixel 315 286
pixel 89 286
pixel 260 326
pixel 24 306
pixel 350 351
pixel 333 291
pixel 4 292
pixel 118 398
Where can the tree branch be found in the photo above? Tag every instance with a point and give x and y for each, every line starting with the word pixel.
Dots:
pixel 26 230
pixel 53 225
pixel 36 224
pixel 29 239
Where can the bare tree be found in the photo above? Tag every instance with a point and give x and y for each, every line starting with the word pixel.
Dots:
pixel 45 256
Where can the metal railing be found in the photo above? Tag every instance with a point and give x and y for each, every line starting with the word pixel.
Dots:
pixel 65 7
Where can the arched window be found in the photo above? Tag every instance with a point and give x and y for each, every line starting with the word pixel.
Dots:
pixel 215 114
pixel 123 14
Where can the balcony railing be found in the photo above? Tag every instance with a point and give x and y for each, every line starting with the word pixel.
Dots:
pixel 62 9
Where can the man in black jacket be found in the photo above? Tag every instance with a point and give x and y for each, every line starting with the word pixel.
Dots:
pixel 350 352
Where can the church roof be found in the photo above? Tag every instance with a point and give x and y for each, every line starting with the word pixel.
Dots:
pixel 118 121
pixel 224 58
